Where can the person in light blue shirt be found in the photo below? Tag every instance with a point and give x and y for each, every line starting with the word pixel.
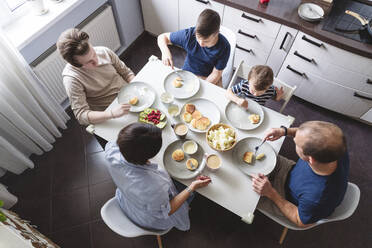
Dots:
pixel 145 192
pixel 208 51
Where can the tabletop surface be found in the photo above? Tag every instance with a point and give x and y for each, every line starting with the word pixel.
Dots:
pixel 230 188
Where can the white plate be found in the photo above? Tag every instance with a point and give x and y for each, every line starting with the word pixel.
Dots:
pixel 206 108
pixel 144 92
pixel 190 87
pixel 178 169
pixel 310 12
pixel 264 166
pixel 239 116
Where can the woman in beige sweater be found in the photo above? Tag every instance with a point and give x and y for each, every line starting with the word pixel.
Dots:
pixel 93 76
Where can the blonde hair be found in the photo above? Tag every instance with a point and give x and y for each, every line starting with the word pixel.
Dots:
pixel 71 43
pixel 261 76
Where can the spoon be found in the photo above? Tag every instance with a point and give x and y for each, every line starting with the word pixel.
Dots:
pixel 315 12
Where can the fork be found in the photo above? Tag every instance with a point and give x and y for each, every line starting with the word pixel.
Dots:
pixel 257 147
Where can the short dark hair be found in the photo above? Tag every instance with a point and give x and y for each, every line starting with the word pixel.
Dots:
pixel 208 23
pixel 325 141
pixel 138 142
pixel 71 43
pixel 263 75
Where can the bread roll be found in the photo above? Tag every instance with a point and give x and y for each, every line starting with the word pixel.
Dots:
pixel 202 123
pixel 254 118
pixel 192 164
pixel 260 156
pixel 178 155
pixel 133 101
pixel 177 82
pixel 196 115
pixel 187 117
pixel 190 108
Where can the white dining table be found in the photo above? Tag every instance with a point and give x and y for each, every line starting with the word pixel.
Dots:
pixel 230 187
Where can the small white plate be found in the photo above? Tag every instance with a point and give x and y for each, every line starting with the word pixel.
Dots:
pixel 310 12
pixel 190 87
pixel 207 108
pixel 264 166
pixel 178 169
pixel 144 92
pixel 239 116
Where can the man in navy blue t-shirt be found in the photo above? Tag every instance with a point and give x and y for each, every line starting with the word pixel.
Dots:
pixel 312 188
pixel 207 50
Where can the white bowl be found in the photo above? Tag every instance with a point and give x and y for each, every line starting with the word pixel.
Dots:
pixel 166 97
pixel 190 142
pixel 210 168
pixel 174 110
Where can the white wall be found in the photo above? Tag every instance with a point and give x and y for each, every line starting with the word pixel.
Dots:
pixel 127 14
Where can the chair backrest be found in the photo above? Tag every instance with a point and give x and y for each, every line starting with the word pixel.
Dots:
pixel 243 71
pixel 343 211
pixel 118 222
pixel 288 92
pixel 231 38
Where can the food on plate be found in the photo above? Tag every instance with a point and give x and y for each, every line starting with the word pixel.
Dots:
pixel 221 138
pixel 196 115
pixel 254 118
pixel 192 164
pixel 133 101
pixel 178 155
pixel 260 156
pixel 177 82
pixel 202 123
pixel 187 117
pixel 190 147
pixel 248 157
pixel 190 108
pixel 153 116
pixel 193 123
pixel 213 162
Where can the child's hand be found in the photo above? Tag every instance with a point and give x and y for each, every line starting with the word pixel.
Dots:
pixel 279 93
pixel 243 103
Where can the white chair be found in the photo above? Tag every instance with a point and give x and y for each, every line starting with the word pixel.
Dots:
pixel 231 38
pixel 243 71
pixel 118 222
pixel 343 211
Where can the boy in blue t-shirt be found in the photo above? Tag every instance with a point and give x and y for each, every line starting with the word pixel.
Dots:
pixel 207 50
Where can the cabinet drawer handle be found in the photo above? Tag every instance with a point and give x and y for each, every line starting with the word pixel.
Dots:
pixel 244 49
pixel 360 96
pixel 201 1
pixel 369 81
pixel 248 35
pixel 295 71
pixel 251 18
pixel 304 58
pixel 285 38
pixel 312 42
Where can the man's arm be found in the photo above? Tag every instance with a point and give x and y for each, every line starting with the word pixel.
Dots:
pixel 262 186
pixel 166 55
pixel 215 76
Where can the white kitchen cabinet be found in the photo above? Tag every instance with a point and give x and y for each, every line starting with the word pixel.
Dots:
pixel 367 116
pixel 325 93
pixel 308 64
pixel 189 11
pixel 322 51
pixel 237 19
pixel 281 48
pixel 160 15
pixel 250 56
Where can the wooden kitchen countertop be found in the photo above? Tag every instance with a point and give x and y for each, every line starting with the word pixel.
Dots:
pixel 285 12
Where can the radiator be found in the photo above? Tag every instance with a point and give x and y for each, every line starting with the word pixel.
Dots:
pixel 102 31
